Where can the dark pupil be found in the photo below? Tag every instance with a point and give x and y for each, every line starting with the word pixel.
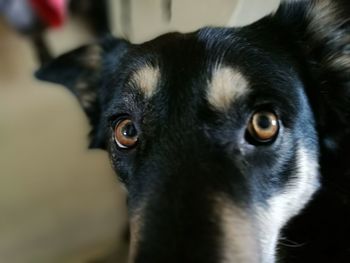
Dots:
pixel 129 130
pixel 264 122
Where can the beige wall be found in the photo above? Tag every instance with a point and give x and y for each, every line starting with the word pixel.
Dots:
pixel 187 15
pixel 60 202
pixel 57 199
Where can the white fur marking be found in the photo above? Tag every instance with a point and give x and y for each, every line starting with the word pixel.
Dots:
pixel 226 85
pixel 288 203
pixel 146 79
pixel 239 243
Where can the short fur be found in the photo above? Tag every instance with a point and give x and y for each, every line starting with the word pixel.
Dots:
pixel 194 148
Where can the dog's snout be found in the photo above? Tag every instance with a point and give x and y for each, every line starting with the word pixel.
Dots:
pixel 192 225
pixel 238 235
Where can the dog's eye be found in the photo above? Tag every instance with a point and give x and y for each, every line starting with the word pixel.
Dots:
pixel 125 134
pixel 263 126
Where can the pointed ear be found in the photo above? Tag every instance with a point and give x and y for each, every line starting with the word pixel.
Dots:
pixel 321 31
pixel 81 71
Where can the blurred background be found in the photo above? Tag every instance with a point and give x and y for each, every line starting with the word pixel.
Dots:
pixel 59 201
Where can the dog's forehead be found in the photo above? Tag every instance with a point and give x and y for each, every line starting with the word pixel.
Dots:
pixel 203 47
pixel 188 58
pixel 221 85
pixel 220 65
pixel 208 50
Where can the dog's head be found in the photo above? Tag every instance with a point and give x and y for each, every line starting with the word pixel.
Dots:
pixel 216 134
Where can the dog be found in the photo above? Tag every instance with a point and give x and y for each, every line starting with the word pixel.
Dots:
pixel 233 143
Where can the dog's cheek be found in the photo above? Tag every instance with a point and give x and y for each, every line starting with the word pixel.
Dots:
pixel 289 201
pixel 117 162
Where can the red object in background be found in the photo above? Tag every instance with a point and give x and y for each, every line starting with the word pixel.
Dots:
pixel 51 12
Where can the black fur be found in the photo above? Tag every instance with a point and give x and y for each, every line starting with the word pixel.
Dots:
pixel 188 151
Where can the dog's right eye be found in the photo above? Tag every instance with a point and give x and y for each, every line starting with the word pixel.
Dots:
pixel 125 134
pixel 263 126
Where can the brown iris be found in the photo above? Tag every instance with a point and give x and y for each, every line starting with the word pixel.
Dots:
pixel 263 126
pixel 125 134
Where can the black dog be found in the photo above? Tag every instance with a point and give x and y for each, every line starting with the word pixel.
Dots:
pixel 221 136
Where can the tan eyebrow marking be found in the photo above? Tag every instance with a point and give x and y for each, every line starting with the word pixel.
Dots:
pixel 146 79
pixel 226 85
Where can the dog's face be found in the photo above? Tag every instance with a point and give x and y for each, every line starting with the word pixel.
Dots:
pixel 213 133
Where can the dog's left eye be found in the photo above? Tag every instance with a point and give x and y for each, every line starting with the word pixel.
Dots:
pixel 263 126
pixel 125 134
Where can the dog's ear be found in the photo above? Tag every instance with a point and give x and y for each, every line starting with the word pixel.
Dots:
pixel 320 30
pixel 82 71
